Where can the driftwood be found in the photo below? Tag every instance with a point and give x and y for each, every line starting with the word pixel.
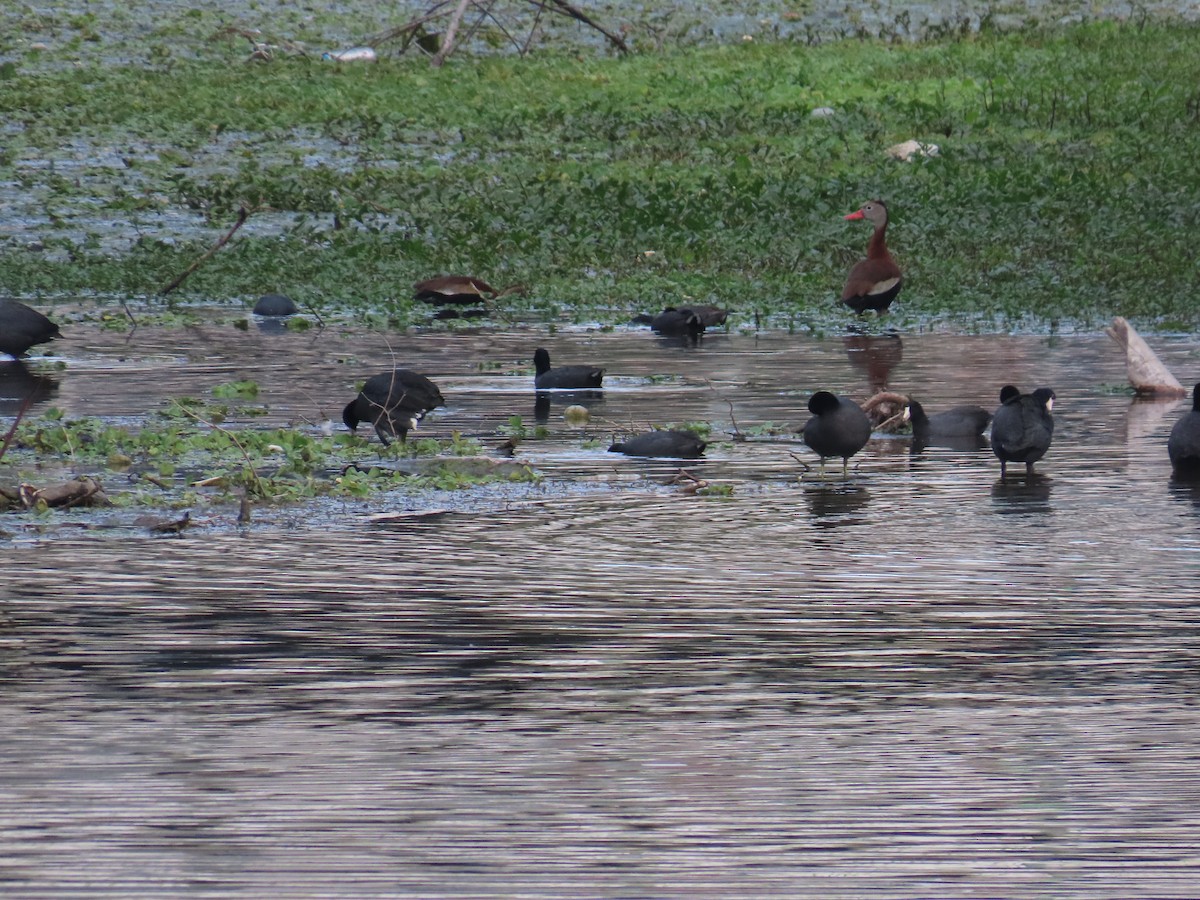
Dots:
pixel 442 45
pixel 82 491
pixel 1146 372
pixel 886 411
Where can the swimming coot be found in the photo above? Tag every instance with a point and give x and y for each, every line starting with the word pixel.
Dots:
pixel 394 402
pixel 1022 427
pixel 956 422
pixel 1183 446
pixel 275 305
pixel 21 327
pixel 569 377
pixel 670 444
pixel 838 427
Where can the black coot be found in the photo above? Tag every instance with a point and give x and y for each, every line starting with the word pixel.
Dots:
pixel 275 305
pixel 672 322
pixel 1183 446
pixel 838 427
pixel 21 327
pixel 394 402
pixel 671 444
pixel 568 377
pixel 956 422
pixel 1022 427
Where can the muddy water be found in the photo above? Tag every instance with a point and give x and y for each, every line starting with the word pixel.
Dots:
pixel 916 682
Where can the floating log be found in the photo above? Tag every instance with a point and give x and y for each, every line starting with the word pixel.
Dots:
pixel 1146 372
pixel 83 491
pixel 886 411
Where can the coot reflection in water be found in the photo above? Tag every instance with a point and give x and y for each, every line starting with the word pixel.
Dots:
pixel 20 386
pixel 544 401
pixel 1029 494
pixel 835 505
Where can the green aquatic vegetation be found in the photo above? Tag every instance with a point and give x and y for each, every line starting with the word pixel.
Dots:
pixel 236 390
pixel 183 456
pixel 1064 188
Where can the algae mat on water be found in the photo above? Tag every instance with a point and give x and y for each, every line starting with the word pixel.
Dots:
pixel 1064 189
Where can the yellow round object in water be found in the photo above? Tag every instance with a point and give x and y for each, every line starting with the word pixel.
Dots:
pixel 576 414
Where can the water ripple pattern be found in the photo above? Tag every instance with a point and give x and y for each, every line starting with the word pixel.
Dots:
pixel 916 682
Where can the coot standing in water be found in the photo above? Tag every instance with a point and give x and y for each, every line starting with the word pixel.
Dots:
pixel 1022 427
pixel 1183 446
pixel 839 427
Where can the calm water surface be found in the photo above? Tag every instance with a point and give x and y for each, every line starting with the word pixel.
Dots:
pixel 917 682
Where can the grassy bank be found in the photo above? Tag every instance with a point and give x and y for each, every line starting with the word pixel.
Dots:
pixel 1066 188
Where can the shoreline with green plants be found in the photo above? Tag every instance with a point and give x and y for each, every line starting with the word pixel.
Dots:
pixel 1064 191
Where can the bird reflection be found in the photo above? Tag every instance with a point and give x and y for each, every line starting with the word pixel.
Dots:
pixel 1028 494
pixel 964 443
pixel 1185 487
pixel 542 401
pixel 835 505
pixel 19 386
pixel 875 354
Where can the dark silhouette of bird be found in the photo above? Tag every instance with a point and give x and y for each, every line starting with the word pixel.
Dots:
pixel 670 444
pixel 839 427
pixel 874 282
pixel 569 377
pixel 21 327
pixel 1183 446
pixel 956 422
pixel 394 402
pixel 1022 427
pixel 275 305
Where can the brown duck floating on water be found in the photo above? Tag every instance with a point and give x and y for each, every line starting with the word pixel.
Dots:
pixel 461 290
pixel 22 326
pixel 874 282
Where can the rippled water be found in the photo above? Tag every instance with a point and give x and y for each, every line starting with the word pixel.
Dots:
pixel 917 682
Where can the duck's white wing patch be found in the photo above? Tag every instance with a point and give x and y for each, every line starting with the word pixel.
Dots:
pixel 882 287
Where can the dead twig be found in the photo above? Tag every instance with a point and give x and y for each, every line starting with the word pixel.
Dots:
pixel 12 432
pixel 258 485
pixel 804 465
pixel 243 215
pixel 566 9
pixel 451 33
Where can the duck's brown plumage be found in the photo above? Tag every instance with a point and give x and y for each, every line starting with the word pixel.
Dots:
pixel 462 289
pixel 874 282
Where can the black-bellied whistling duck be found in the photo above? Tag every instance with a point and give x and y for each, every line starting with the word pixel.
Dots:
pixel 461 290
pixel 874 282
pixel 21 327
pixel 1022 427
pixel 838 427
pixel 564 377
pixel 1183 446
pixel 394 402
pixel 665 444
